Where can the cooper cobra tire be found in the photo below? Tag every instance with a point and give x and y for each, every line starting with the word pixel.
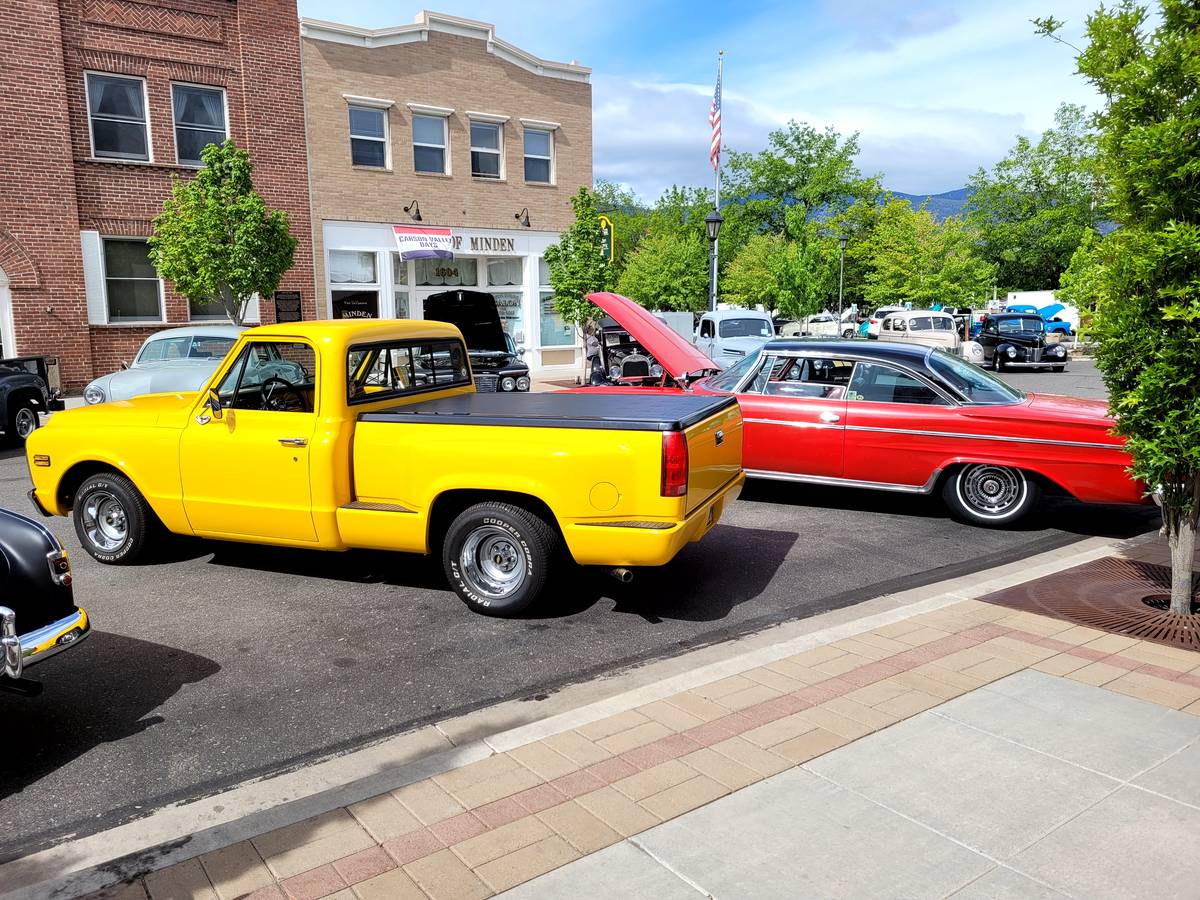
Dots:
pixel 22 422
pixel 988 495
pixel 498 557
pixel 112 519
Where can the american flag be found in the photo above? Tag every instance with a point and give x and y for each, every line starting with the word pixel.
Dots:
pixel 714 119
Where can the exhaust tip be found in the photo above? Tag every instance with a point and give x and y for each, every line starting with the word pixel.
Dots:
pixel 622 575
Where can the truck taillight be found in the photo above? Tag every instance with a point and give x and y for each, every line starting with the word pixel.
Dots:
pixel 674 464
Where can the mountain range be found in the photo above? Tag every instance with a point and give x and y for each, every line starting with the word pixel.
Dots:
pixel 942 206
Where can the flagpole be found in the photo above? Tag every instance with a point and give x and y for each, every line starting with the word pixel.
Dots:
pixel 717 191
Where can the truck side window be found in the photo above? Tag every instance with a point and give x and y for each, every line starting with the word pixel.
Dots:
pixel 273 376
pixel 382 371
pixel 706 328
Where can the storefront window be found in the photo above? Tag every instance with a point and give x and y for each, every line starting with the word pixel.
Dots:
pixel 509 307
pixel 400 286
pixel 504 272
pixel 354 284
pixel 555 331
pixel 449 272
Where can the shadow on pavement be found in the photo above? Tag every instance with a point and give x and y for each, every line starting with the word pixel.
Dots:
pixel 1062 513
pixel 105 690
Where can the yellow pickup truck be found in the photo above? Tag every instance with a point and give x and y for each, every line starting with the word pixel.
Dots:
pixel 335 435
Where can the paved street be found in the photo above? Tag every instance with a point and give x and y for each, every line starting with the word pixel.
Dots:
pixel 220 662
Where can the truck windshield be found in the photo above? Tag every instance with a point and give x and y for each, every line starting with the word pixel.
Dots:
pixel 971 382
pixel 745 328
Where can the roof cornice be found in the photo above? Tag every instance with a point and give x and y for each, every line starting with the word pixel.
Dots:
pixel 427 21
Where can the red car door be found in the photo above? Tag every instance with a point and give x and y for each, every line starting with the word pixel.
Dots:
pixel 795 411
pixel 895 427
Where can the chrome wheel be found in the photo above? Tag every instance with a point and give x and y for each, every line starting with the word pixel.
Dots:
pixel 104 521
pixel 992 492
pixel 25 422
pixel 493 562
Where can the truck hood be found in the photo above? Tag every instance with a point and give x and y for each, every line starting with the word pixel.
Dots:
pixel 745 346
pixel 168 410
pixel 677 356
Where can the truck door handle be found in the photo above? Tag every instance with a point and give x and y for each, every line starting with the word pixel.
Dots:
pixel 294 442
pixel 829 417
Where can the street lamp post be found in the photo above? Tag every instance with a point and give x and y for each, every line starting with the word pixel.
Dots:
pixel 712 222
pixel 842 239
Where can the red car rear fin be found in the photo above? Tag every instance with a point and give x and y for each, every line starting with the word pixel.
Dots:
pixel 676 355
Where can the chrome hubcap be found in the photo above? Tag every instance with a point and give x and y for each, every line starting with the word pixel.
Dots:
pixel 26 422
pixel 492 562
pixel 992 491
pixel 104 521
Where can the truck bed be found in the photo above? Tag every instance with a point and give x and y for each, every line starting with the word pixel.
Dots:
pixel 617 412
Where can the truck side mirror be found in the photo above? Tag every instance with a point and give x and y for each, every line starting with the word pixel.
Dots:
pixel 213 404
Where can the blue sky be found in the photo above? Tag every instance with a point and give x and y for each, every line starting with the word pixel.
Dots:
pixel 935 89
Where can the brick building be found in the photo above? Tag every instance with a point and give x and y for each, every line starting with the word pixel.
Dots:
pixel 443 123
pixel 102 103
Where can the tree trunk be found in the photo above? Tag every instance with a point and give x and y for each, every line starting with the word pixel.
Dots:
pixel 1182 539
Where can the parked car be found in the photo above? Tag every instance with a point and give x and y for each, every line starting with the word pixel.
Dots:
pixel 824 324
pixel 870 328
pixel 929 328
pixel 385 444
pixel 728 335
pixel 496 363
pixel 38 615
pixel 24 397
pixel 1019 341
pixel 616 358
pixel 177 359
pixel 895 417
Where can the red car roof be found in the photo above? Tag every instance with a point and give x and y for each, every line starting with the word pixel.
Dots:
pixel 676 355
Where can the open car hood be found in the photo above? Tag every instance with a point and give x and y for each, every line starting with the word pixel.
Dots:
pixel 677 356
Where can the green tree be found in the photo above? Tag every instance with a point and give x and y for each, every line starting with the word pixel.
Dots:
pixel 668 271
pixel 782 276
pixel 910 258
pixel 1147 321
pixel 215 238
pixel 577 264
pixel 629 216
pixel 1036 205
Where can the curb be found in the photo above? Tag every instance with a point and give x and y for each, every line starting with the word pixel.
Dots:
pixel 176 833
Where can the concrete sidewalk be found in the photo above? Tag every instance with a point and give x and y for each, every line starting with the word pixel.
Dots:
pixel 913 746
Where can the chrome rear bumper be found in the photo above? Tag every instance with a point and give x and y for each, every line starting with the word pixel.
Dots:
pixel 19 651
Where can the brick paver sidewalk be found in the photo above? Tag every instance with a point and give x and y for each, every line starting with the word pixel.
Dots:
pixel 496 823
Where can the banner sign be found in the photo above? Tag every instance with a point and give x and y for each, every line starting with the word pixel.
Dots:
pixel 415 242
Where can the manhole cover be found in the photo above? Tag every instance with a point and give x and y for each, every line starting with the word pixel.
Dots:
pixel 1111 594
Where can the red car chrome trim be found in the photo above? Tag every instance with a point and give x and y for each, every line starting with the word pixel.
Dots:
pixel 986 437
pixel 793 424
pixel 831 481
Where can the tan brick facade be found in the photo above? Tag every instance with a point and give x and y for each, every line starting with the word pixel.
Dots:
pixel 459 67
pixel 52 189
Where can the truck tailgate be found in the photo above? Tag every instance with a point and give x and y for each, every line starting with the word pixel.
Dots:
pixel 714 451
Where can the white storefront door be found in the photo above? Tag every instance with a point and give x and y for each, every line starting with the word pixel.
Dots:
pixel 8 343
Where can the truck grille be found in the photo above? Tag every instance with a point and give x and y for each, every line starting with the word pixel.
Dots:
pixel 485 384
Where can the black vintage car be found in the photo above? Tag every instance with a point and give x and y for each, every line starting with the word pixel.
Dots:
pixel 1018 341
pixel 495 362
pixel 38 615
pixel 24 395
pixel 616 358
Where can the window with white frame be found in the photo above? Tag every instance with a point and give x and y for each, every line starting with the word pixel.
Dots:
pixel 199 120
pixel 353 284
pixel 429 144
pixel 539 152
pixel 132 288
pixel 556 331
pixel 400 293
pixel 487 139
pixel 117 117
pixel 368 137
pixel 462 271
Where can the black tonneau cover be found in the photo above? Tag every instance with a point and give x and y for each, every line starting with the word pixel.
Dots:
pixel 619 412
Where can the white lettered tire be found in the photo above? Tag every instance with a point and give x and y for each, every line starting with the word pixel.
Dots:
pixel 112 518
pixel 497 557
pixel 990 495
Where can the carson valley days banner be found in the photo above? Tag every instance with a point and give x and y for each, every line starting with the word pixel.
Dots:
pixel 415 242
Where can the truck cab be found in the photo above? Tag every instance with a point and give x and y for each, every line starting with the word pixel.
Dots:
pixel 728 336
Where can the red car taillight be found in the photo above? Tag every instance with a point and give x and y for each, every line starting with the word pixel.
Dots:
pixel 674 464
pixel 60 567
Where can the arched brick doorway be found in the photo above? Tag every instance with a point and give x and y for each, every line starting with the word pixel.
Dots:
pixel 8 344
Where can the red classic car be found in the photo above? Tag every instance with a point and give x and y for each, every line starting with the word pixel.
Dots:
pixel 897 417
